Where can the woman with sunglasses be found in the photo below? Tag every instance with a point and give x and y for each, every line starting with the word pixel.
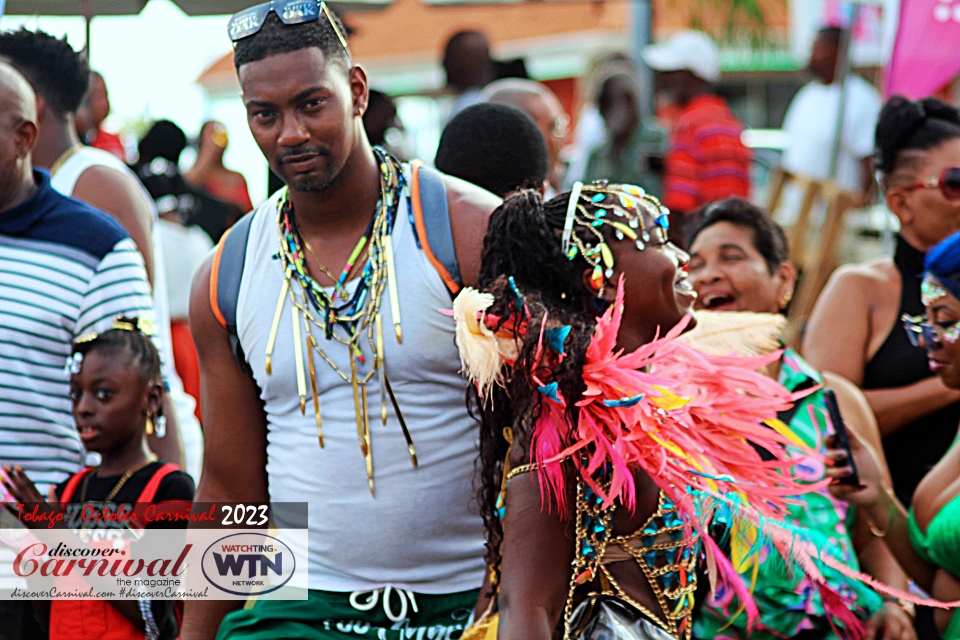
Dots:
pixel 854 330
pixel 925 539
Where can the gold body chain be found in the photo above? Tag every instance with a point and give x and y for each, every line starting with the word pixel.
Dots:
pixel 664 555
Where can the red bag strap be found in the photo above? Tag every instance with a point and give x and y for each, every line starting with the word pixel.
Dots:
pixel 72 483
pixel 150 491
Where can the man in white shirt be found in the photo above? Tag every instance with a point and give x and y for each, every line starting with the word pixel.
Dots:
pixel 811 122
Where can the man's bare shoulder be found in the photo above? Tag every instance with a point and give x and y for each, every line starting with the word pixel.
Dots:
pixel 101 182
pixel 466 199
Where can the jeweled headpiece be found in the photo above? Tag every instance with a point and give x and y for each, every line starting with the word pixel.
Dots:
pixel 942 266
pixel 619 206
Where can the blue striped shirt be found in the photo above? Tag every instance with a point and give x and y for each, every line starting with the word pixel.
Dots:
pixel 66 269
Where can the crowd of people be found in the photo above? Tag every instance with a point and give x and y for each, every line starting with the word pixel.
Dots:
pixel 607 437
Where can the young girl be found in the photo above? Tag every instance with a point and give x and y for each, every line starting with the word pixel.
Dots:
pixel 607 453
pixel 116 389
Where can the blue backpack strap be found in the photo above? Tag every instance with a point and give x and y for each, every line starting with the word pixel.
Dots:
pixel 225 280
pixel 431 215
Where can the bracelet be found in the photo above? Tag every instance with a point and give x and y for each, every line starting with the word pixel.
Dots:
pixel 893 512
pixel 908 607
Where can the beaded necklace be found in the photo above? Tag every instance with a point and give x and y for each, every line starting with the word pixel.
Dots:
pixel 343 317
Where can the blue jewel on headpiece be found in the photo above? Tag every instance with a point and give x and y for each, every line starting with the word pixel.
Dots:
pixel 624 402
pixel 663 220
pixel 557 336
pixel 550 391
pixel 516 291
pixel 597 198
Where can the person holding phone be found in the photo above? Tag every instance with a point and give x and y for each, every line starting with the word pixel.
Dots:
pixel 926 538
pixel 854 328
pixel 739 263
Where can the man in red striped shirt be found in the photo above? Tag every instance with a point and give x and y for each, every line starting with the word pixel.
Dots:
pixel 706 160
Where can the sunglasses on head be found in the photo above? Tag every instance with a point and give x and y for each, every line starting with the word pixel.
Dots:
pixel 948 183
pixel 247 22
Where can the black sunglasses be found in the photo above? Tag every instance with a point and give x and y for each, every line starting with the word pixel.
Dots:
pixel 245 23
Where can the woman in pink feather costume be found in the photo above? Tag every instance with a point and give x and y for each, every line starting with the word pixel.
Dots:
pixel 610 449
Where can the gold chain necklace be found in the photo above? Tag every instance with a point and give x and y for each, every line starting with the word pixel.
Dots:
pixel 342 291
pixel 123 480
pixel 66 155
pixel 357 318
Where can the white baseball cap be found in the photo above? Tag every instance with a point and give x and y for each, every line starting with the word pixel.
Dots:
pixel 694 51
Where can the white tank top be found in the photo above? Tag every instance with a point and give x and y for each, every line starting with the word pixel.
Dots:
pixel 422 530
pixel 65 181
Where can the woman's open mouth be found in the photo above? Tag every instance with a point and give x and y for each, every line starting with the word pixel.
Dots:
pixel 718 302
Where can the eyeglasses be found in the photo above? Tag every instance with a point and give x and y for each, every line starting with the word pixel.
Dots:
pixel 930 336
pixel 948 183
pixel 247 22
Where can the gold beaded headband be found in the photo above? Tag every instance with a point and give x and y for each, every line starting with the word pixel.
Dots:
pixel 146 326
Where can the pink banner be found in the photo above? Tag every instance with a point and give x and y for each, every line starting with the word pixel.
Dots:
pixel 925 55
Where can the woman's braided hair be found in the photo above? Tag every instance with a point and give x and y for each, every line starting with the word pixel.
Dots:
pixel 523 242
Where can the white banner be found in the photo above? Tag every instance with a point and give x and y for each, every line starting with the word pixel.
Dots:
pixel 168 564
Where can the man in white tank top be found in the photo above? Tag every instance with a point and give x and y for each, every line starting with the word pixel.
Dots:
pixel 60 77
pixel 396 541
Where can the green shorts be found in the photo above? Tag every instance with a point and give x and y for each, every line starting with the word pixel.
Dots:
pixel 327 615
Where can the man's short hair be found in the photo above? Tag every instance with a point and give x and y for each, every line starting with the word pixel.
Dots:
pixel 58 74
pixel 493 146
pixel 276 37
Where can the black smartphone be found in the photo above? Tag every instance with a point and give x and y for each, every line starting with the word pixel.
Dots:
pixel 843 438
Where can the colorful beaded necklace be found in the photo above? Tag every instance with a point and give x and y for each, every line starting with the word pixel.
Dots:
pixel 341 316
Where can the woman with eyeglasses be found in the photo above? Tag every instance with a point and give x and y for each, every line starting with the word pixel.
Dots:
pixel 925 539
pixel 854 329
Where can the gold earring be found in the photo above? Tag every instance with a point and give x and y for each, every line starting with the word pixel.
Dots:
pixel 150 427
pixel 786 299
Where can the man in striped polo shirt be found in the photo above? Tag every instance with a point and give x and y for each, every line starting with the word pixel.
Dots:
pixel 706 160
pixel 65 270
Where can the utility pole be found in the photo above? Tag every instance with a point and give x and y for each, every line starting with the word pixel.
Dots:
pixel 642 14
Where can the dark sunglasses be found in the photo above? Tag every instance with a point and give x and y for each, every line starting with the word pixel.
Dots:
pixel 247 22
pixel 948 183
